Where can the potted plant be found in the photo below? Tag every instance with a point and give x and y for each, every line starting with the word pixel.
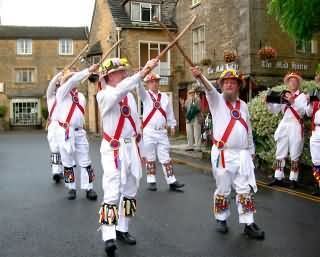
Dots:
pixel 267 53
pixel 229 56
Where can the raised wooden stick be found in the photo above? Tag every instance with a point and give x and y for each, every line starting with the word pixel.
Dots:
pixel 76 58
pixel 173 42
pixel 109 51
pixel 187 58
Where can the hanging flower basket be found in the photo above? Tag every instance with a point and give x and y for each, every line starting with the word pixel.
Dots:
pixel 229 56
pixel 267 53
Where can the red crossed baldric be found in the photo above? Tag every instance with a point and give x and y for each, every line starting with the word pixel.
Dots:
pixel 51 111
pixel 315 108
pixel 235 116
pixel 295 114
pixel 125 113
pixel 156 106
pixel 75 103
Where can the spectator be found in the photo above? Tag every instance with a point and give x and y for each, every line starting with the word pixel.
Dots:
pixel 193 120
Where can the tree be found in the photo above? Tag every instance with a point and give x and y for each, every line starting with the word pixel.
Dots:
pixel 300 18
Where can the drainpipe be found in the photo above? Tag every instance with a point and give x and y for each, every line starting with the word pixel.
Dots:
pixel 118 29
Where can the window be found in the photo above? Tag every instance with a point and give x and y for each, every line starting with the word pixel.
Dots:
pixel 24 75
pixel 25 112
pixel 195 2
pixel 149 50
pixel 144 11
pixel 24 47
pixel 65 47
pixel 303 46
pixel 198 44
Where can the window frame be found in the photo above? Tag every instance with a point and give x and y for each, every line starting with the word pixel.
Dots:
pixel 203 41
pixel 25 47
pixel 140 11
pixel 31 75
pixel 195 3
pixel 63 40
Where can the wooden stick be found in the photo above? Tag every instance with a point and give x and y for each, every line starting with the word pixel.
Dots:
pixel 174 41
pixel 76 58
pixel 186 57
pixel 105 57
pixel 109 51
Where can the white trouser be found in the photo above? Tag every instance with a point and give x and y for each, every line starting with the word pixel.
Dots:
pixel 156 143
pixel 54 147
pixel 193 129
pixel 288 139
pixel 119 182
pixel 232 176
pixel 315 146
pixel 78 154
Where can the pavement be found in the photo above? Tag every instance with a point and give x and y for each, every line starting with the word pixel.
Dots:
pixel 36 219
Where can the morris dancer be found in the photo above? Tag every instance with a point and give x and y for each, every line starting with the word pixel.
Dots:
pixel 120 155
pixel 232 152
pixel 56 164
pixel 72 140
pixel 157 117
pixel 289 134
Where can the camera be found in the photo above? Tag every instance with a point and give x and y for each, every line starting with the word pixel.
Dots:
pixel 277 97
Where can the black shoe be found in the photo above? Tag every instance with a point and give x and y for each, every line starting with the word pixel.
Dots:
pixel 176 186
pixel 254 232
pixel 56 178
pixel 276 182
pixel 293 184
pixel 126 238
pixel 222 226
pixel 72 194
pixel 189 149
pixel 152 186
pixel 110 248
pixel 91 195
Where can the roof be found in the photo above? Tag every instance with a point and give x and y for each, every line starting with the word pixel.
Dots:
pixel 77 33
pixel 122 18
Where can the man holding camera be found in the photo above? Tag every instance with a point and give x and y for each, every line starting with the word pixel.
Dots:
pixel 289 134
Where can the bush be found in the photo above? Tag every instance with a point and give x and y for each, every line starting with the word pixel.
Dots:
pixel 44 112
pixel 264 124
pixel 3 110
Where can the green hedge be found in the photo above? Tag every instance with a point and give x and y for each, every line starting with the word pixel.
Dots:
pixel 264 124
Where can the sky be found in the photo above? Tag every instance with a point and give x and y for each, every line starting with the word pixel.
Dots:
pixel 66 13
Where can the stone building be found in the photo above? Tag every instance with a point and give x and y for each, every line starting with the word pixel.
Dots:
pixel 29 58
pixel 142 39
pixel 239 28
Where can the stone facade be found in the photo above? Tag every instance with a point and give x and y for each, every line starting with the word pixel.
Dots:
pixel 45 60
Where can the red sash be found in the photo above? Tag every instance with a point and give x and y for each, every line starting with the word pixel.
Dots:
pixel 125 113
pixel 156 106
pixel 235 116
pixel 315 108
pixel 296 115
pixel 75 103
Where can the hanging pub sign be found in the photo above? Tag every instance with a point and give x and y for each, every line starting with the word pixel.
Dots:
pixel 267 64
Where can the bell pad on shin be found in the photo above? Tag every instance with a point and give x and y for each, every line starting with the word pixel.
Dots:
pixel 129 206
pixel 68 175
pixel 247 202
pixel 221 204
pixel 55 158
pixel 91 173
pixel 169 169
pixel 108 214
pixel 151 167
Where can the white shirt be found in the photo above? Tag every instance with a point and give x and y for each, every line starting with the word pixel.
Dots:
pixel 309 112
pixel 108 102
pixel 51 91
pixel 299 105
pixel 64 101
pixel 157 121
pixel 239 138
